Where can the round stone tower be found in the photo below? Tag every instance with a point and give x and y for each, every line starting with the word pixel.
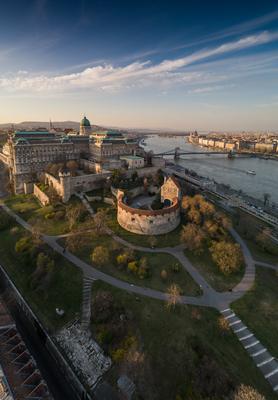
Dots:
pixel 85 127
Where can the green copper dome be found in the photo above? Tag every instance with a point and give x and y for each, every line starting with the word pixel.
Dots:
pixel 85 122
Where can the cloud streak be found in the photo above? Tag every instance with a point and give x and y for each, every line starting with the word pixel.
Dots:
pixel 136 74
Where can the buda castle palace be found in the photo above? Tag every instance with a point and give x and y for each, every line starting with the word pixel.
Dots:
pixel 27 154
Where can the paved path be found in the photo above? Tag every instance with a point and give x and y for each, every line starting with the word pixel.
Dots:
pixel 266 265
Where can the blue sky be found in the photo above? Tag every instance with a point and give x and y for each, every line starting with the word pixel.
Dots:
pixel 209 65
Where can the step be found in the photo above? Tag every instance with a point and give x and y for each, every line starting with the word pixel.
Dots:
pixel 251 344
pixel 240 329
pixel 268 367
pixel 274 371
pixel 246 336
pixel 230 316
pixel 268 360
pixel 257 353
pixel 238 321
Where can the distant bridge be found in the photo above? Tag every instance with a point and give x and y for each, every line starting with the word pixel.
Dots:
pixel 177 152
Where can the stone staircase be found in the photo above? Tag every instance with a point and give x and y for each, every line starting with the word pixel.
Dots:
pixel 260 355
pixel 86 302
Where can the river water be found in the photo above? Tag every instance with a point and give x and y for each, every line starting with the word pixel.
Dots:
pixel 222 169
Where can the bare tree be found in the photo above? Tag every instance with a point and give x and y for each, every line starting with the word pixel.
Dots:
pixel 100 221
pixel 173 295
pixel 73 213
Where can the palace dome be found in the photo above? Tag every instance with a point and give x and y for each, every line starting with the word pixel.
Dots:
pixel 85 122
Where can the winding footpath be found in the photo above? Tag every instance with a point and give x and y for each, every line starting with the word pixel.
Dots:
pixel 209 298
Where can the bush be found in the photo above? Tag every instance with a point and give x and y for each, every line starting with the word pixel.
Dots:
pixel 144 270
pixel 118 355
pixel 247 393
pixel 24 245
pixel 122 259
pixel 132 267
pixel 164 275
pixel 14 230
pixel 100 256
pixel 223 325
pixel 227 256
pixel 50 215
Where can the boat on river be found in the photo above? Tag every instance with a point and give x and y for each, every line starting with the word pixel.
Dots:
pixel 251 172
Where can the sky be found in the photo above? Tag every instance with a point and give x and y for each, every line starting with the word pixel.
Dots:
pixel 204 65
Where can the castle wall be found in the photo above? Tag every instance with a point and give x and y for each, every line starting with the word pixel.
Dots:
pixel 67 185
pixel 148 222
pixel 41 196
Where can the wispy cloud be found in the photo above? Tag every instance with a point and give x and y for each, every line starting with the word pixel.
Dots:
pixel 209 89
pixel 109 77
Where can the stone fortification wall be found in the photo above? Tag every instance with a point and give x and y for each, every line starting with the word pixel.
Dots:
pixel 41 196
pixel 148 222
pixel 66 185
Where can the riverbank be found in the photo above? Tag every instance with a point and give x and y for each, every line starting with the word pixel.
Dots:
pixel 218 168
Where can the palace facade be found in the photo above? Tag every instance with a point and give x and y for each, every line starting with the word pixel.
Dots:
pixel 28 153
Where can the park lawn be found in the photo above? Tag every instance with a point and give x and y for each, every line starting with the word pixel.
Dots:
pixel 172 340
pixel 170 239
pixel 156 261
pixel 64 291
pixel 211 272
pixel 259 254
pixel 29 208
pixel 247 229
pixel 258 308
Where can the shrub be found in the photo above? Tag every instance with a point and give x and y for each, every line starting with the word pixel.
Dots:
pixel 50 215
pixel 100 256
pixel 14 230
pixel 132 267
pixel 122 259
pixel 247 393
pixel 118 355
pixel 164 275
pixel 23 245
pixel 223 325
pixel 227 256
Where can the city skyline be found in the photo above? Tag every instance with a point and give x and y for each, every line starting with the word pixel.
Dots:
pixel 151 66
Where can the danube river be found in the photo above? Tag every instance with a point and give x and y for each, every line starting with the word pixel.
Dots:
pixel 224 170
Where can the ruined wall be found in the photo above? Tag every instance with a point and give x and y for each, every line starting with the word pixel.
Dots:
pixel 148 222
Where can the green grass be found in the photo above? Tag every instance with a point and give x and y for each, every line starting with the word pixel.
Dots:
pixel 65 290
pixel 259 254
pixel 157 263
pixel 172 341
pixel 211 272
pixel 248 227
pixel 29 208
pixel 170 239
pixel 258 308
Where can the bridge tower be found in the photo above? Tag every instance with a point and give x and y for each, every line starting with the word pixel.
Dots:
pixel 176 154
